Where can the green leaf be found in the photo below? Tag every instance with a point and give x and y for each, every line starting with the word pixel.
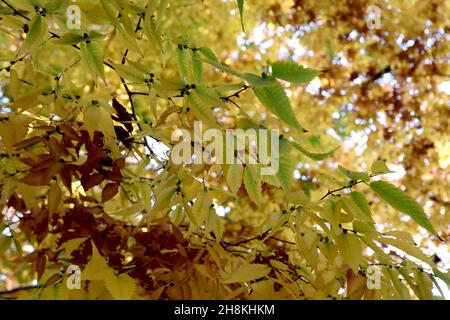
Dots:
pixel 55 5
pixel 128 41
pixel 201 109
pixel 185 65
pixel 229 86
pixel 443 276
pixel 151 30
pixel 352 208
pixel 368 229
pixel 129 73
pixel 276 101
pixel 240 4
pixel 34 36
pixel 211 58
pixel 379 166
pixel 209 95
pixel 314 156
pixel 257 81
pixel 402 202
pixel 5 243
pixel 284 172
pixel 354 175
pixel 69 38
pixel 197 65
pixel 360 200
pixel 292 72
pixel 90 54
pixel 109 11
pixel 252 182
pixel 162 6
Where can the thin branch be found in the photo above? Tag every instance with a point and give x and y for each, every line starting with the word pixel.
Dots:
pixel 236 94
pixel 282 240
pixel 257 237
pixel 19 289
pixel 353 183
pixel 15 11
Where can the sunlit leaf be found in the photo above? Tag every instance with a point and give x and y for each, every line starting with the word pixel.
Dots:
pixel 402 202
pixel 274 98
pixel 292 72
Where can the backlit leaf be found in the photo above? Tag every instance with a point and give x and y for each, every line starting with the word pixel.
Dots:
pixel 353 174
pixel 314 156
pixel 350 247
pixel 292 72
pixel 241 12
pixel 90 53
pixel 252 182
pixel 234 177
pixel 34 36
pixel 402 202
pixel 379 166
pixel 274 98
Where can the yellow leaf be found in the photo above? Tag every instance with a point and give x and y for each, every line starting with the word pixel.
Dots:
pixel 97 268
pixel 55 292
pixel 234 177
pixel 97 118
pixel 379 166
pixel 406 247
pixel 351 250
pixel 201 207
pixel 214 224
pixel 97 290
pixel 54 198
pixel 121 287
pixel 71 245
pixel 297 197
pixel 246 272
pixel 14 130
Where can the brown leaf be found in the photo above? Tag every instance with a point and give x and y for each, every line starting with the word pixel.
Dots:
pixel 54 148
pixel 27 142
pixel 110 191
pixel 123 116
pixel 91 180
pixel 52 280
pixel 355 285
pixel 119 163
pixel 16 202
pixel 44 176
pixel 40 263
pixel 66 177
pixel 69 132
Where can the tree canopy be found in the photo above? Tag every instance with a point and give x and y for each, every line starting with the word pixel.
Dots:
pixel 350 101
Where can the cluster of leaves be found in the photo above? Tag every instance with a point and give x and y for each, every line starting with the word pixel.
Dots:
pixel 84 181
